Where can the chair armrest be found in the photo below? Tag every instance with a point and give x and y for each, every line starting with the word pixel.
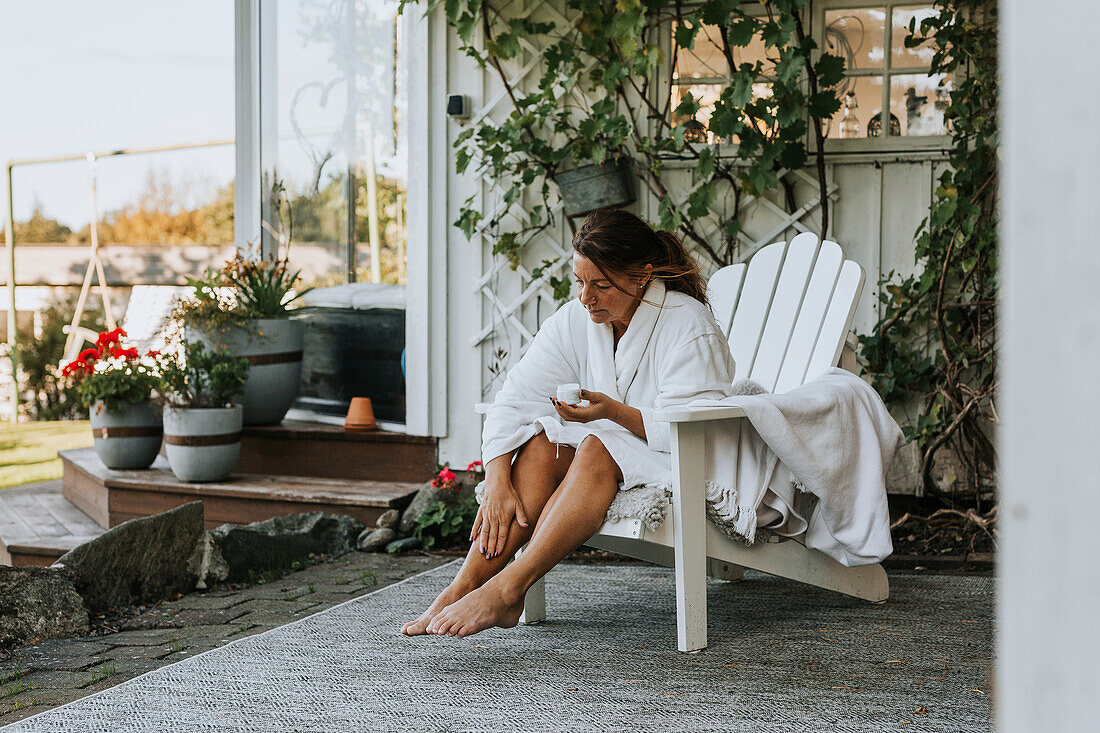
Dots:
pixel 698 414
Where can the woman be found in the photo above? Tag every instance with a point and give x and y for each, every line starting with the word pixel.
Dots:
pixel 639 337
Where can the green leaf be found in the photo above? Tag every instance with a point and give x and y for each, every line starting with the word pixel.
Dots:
pixel 685 34
pixel 687 107
pixel 829 70
pixel 742 31
pixel 468 220
pixel 717 12
pixel 706 163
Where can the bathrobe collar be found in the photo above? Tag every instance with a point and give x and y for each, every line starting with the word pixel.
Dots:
pixel 615 370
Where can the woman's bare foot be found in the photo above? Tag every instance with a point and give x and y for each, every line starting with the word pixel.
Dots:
pixel 452 593
pixel 488 606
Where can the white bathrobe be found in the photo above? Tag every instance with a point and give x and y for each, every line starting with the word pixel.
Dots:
pixel 672 353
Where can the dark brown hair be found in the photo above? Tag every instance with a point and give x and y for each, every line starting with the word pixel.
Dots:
pixel 618 241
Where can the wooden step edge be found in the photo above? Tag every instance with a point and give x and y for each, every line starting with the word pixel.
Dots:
pixel 263 494
pixel 40 550
pixel 293 430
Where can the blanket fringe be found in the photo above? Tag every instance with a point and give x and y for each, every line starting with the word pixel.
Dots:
pixel 737 523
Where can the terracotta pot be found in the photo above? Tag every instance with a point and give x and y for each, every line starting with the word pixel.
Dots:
pixel 360 417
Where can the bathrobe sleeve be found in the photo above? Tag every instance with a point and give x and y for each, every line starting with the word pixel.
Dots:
pixel 550 360
pixel 702 368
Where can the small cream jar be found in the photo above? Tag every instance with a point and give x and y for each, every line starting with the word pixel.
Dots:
pixel 570 394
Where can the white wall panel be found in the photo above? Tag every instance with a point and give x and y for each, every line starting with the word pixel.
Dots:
pixel 1047 630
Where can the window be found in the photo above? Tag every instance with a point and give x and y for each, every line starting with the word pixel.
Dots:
pixel 875 80
pixel 704 72
pixel 333 144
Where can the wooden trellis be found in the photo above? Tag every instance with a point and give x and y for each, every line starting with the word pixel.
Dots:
pixel 513 302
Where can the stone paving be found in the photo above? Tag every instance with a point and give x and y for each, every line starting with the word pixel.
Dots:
pixel 41 676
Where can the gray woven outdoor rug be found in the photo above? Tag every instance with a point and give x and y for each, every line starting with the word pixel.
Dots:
pixel 782 657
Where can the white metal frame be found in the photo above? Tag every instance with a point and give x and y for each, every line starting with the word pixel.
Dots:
pixel 787 313
pixel 246 204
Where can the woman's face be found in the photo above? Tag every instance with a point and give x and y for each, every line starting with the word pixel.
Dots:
pixel 605 302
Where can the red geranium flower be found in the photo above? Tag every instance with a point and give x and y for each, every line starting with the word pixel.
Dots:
pixel 445 479
pixel 475 466
pixel 106 338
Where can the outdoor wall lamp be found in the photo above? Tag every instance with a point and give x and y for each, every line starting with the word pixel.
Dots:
pixel 458 107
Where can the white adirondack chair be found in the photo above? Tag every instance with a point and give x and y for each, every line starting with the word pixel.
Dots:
pixel 145 322
pixel 786 313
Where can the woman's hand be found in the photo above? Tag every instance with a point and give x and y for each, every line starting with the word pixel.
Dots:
pixel 599 407
pixel 499 509
pixel 602 407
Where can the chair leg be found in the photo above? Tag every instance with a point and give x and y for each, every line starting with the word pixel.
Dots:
pixel 689 536
pixel 534 603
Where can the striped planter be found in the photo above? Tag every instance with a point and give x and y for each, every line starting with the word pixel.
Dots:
pixel 128 437
pixel 273 347
pixel 202 444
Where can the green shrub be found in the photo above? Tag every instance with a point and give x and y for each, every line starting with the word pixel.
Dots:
pixel 49 396
pixel 199 377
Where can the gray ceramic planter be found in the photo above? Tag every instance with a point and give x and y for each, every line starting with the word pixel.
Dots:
pixel 273 347
pixel 128 437
pixel 202 444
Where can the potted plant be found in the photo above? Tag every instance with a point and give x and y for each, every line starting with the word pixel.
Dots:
pixel 202 415
pixel 117 386
pixel 245 309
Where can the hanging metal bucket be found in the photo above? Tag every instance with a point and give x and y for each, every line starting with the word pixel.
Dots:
pixel 591 187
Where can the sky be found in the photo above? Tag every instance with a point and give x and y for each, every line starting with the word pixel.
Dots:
pixel 79 76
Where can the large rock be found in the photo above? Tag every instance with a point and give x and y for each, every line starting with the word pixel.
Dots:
pixel 39 603
pixel 465 483
pixel 140 561
pixel 423 499
pixel 274 544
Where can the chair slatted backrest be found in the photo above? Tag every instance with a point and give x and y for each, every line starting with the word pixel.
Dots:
pixel 787 311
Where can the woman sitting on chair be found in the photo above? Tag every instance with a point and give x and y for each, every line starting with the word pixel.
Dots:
pixel 639 337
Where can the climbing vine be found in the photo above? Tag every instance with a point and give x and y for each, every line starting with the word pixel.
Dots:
pixel 596 100
pixel 936 341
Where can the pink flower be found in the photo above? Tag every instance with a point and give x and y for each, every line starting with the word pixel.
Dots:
pixel 447 476
pixel 475 466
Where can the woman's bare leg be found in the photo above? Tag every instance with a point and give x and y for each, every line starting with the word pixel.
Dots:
pixel 574 514
pixel 537 471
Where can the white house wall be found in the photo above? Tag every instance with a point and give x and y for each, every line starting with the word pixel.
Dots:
pixel 878 207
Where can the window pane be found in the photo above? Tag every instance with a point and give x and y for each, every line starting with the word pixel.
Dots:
pixel 860 104
pixel 919 101
pixel 706 60
pixel 706 95
pixel 903 57
pixel 332 105
pixel 857 35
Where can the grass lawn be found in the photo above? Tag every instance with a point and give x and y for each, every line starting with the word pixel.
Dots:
pixel 28 451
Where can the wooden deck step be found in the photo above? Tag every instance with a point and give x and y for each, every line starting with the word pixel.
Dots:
pixel 295 448
pixel 38 525
pixel 112 497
